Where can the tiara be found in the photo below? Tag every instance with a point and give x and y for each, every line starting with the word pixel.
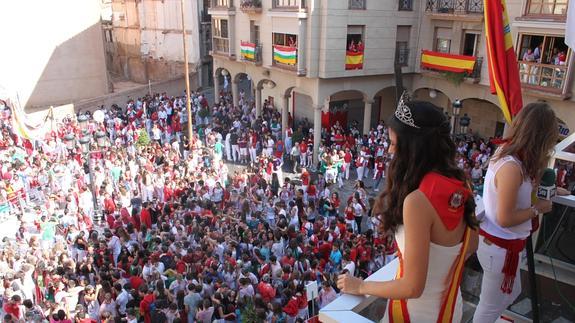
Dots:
pixel 403 113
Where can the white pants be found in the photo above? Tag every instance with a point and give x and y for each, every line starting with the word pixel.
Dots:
pixel 228 152
pixel 492 301
pixel 303 160
pixel 253 155
pixel 346 166
pixel 360 173
pixel 235 152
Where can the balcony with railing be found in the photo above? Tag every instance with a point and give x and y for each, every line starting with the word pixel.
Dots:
pixel 543 77
pixel 357 4
pixel 450 8
pixel 251 52
pixel 251 6
pixel 221 46
pixel 284 57
pixel 455 68
pixel 402 56
pixel 405 5
pixel 221 7
pixel 291 5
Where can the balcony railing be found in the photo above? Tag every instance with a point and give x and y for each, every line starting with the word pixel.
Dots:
pixel 402 56
pixel 289 4
pixel 284 57
pixel 458 7
pixel 251 52
pixel 357 4
pixel 405 5
pixel 221 4
pixel 463 67
pixel 544 77
pixel 476 74
pixel 251 5
pixel 221 46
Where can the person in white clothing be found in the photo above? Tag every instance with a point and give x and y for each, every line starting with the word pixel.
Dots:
pixel 509 210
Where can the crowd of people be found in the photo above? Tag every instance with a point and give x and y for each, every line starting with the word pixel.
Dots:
pixel 158 227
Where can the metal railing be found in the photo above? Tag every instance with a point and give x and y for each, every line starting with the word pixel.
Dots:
pixel 221 3
pixel 251 5
pixel 402 56
pixel 454 6
pixel 289 4
pixel 543 76
pixel 405 5
pixel 221 45
pixel 357 4
pixel 257 55
pixel 476 73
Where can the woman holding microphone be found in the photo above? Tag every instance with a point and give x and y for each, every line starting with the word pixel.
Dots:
pixel 512 176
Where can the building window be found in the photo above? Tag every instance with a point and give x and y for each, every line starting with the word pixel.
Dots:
pixel 442 40
pixel 285 50
pixel 357 4
pixel 354 48
pixel 470 43
pixel 254 32
pixel 402 45
pixel 108 35
pixel 405 5
pixel 221 41
pixel 543 61
pixel 547 7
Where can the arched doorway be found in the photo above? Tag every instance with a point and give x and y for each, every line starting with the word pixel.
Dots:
pixel 222 82
pixel 384 104
pixel 347 108
pixel 435 96
pixel 245 87
pixel 486 119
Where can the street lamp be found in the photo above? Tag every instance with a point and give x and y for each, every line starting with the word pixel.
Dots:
pixel 100 138
pixel 456 111
pixel 83 123
pixel 85 144
pixel 464 123
pixel 70 140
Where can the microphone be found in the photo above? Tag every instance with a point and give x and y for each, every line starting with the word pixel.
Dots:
pixel 547 189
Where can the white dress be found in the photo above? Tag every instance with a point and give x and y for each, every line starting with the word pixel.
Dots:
pixel 426 308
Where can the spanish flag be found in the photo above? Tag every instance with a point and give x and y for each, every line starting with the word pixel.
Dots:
pixel 353 60
pixel 502 61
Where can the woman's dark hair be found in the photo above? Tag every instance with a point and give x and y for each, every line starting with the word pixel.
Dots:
pixel 419 149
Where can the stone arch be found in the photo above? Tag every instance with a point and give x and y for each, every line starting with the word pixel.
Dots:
pixel 349 108
pixel 246 84
pixel 487 120
pixel 222 80
pixel 384 102
pixel 435 96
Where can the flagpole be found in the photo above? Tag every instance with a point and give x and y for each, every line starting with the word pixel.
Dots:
pixel 187 76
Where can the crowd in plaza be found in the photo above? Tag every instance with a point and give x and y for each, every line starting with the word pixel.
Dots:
pixel 212 228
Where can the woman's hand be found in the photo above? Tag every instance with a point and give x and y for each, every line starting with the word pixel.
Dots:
pixel 349 284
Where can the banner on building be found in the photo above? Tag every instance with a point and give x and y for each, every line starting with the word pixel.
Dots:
pixel 502 61
pixel 447 62
pixel 353 60
pixel 248 50
pixel 285 55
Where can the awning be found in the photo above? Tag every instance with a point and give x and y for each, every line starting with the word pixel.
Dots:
pixel 447 62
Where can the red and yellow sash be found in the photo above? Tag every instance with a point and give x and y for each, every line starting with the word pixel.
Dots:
pixel 398 308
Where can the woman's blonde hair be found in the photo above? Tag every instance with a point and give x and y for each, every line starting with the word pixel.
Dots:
pixel 534 133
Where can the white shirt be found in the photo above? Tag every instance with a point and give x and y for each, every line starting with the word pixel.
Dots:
pixel 122 299
pixel 489 222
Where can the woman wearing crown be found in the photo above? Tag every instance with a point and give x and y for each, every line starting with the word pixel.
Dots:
pixel 428 204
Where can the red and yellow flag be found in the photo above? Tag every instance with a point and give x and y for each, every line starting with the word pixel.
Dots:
pixel 502 61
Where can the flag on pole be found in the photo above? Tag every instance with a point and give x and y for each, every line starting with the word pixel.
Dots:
pixel 570 25
pixel 502 61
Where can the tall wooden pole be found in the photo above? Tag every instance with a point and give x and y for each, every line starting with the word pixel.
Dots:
pixel 187 71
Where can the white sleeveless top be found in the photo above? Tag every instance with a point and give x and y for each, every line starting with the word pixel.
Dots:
pixel 426 308
pixel 489 222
